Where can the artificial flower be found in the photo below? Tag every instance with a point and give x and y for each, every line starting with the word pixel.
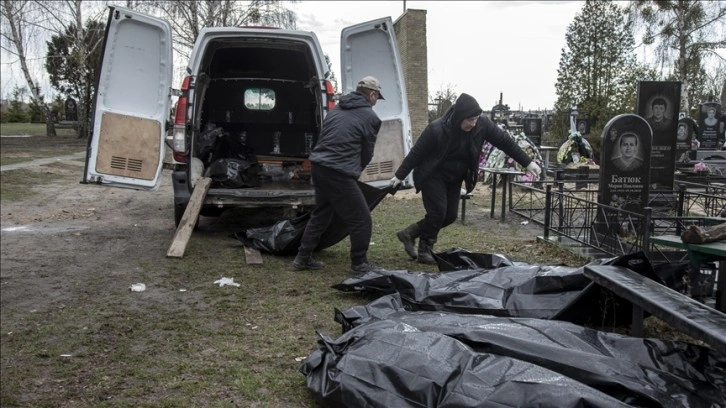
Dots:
pixel 575 149
pixel 495 158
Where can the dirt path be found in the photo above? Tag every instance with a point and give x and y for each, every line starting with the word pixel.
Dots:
pixel 56 246
pixel 68 256
pixel 67 159
pixel 69 231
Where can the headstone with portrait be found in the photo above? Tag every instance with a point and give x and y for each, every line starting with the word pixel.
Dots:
pixel 686 146
pixel 625 157
pixel 71 108
pixel 659 103
pixel 533 130
pixel 709 132
pixel 583 126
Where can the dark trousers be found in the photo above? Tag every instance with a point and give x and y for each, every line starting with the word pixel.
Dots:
pixel 441 202
pixel 338 194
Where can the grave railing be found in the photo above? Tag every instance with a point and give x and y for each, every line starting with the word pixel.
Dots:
pixel 576 215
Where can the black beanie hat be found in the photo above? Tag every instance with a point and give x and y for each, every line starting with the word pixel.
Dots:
pixel 464 107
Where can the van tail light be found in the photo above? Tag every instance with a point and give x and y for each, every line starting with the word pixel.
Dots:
pixel 330 93
pixel 180 121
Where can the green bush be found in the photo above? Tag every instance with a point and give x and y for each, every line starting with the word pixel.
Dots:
pixel 16 116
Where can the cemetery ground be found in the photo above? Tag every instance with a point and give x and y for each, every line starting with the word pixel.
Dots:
pixel 73 334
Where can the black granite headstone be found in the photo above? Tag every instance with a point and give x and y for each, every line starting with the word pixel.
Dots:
pixel 684 140
pixel 533 130
pixel 659 103
pixel 71 110
pixel 709 131
pixel 625 158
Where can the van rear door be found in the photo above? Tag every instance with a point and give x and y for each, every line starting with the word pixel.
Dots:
pixel 370 48
pixel 132 102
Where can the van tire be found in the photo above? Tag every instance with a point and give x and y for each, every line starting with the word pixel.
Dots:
pixel 178 214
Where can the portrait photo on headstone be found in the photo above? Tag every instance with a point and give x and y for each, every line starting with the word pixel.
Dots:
pixel 627 155
pixel 659 113
pixel 583 126
pixel 71 108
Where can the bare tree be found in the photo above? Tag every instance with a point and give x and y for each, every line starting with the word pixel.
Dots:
pixel 188 17
pixel 30 22
pixel 21 20
pixel 70 16
pixel 684 32
pixel 441 102
pixel 715 84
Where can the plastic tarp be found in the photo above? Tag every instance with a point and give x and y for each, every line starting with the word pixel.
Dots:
pixel 283 237
pixel 514 289
pixel 391 357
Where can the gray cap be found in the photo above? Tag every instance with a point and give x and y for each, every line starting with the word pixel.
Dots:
pixel 371 83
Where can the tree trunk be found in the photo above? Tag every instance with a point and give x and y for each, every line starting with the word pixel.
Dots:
pixel 49 124
pixel 14 13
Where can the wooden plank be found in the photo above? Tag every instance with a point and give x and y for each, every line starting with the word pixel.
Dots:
pixel 678 310
pixel 253 256
pixel 189 219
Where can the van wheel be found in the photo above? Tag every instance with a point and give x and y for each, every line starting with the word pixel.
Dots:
pixel 178 213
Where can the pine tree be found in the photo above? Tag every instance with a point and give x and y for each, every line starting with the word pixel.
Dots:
pixel 596 67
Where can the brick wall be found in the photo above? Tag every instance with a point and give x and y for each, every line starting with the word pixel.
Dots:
pixel 410 31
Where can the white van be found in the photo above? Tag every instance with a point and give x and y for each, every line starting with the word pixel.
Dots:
pixel 248 113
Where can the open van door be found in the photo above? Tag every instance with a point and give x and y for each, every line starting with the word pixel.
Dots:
pixel 370 48
pixel 132 102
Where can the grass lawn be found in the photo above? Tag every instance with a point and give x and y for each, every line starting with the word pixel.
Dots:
pixel 31 129
pixel 22 142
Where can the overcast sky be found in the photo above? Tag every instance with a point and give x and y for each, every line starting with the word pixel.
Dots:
pixel 478 47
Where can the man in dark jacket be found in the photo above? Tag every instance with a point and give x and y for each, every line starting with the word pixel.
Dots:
pixel 344 149
pixel 445 155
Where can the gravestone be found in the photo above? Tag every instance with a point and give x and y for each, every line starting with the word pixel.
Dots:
pixel 583 126
pixel 533 130
pixel 71 108
pixel 659 103
pixel 709 125
pixel 625 157
pixel 685 148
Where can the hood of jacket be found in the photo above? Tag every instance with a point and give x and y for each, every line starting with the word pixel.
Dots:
pixel 455 128
pixel 353 100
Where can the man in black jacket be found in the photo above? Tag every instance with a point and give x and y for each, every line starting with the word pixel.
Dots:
pixel 445 155
pixel 344 149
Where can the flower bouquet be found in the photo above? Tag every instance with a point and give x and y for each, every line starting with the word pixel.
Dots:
pixel 495 158
pixel 575 149
pixel 700 168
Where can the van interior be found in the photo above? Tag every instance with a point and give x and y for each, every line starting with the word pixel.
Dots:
pixel 259 112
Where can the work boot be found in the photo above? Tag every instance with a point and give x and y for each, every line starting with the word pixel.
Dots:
pixel 425 256
pixel 361 268
pixel 408 237
pixel 303 262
